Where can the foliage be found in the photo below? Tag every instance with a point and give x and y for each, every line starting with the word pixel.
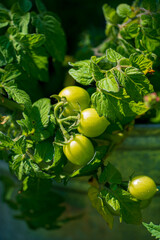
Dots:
pixel 118 80
pixel 153 229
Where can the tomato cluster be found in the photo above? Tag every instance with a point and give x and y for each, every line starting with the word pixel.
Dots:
pixel 79 149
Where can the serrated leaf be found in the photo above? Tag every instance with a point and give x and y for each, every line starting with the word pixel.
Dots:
pixel 128 49
pixel 129 206
pixel 25 5
pixel 4 18
pixel 40 112
pixel 138 108
pixel 109 84
pixel 110 14
pixel 153 229
pixel 18 95
pixel 130 31
pixel 5 141
pixel 11 73
pixel 123 10
pixel 111 202
pixel 114 106
pixel 137 84
pixel 7 54
pixel 112 55
pixel 140 61
pixel 55 37
pixel 30 40
pixel 35 63
pixel 81 72
pixel 97 74
pixel 19 146
pixel 44 152
pixel 20 166
pixel 97 202
pixel 110 174
pixel 21 21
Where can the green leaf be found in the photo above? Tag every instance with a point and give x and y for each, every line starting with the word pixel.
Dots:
pixel 7 54
pixel 81 72
pixel 129 206
pixel 137 84
pixel 37 122
pixel 97 202
pixel 35 63
pixel 31 54
pixel 97 74
pixel 114 106
pixel 138 108
pixel 11 73
pixel 40 112
pixel 18 95
pixel 141 61
pixel 128 49
pixel 4 18
pixel 110 14
pixel 146 21
pixel 123 10
pixel 19 146
pixel 110 174
pixel 113 56
pixel 111 202
pixel 21 21
pixel 30 40
pixel 25 5
pixel 153 229
pixel 44 152
pixel 55 37
pixel 5 141
pixel 20 166
pixel 130 31
pixel 109 84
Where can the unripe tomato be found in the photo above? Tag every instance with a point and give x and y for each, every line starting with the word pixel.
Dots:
pixel 142 187
pixel 77 98
pixel 79 150
pixel 91 124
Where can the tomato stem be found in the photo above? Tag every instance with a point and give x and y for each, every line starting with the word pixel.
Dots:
pixel 60 121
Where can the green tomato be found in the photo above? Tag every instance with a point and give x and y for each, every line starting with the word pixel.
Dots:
pixel 79 150
pixel 142 187
pixel 91 124
pixel 77 98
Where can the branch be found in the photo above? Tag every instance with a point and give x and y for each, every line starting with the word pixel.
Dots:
pixel 5 102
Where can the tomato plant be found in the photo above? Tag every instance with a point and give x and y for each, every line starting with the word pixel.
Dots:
pixel 79 150
pixel 142 187
pixel 116 83
pixel 77 99
pixel 91 124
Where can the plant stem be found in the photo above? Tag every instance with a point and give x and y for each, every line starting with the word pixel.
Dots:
pixel 5 102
